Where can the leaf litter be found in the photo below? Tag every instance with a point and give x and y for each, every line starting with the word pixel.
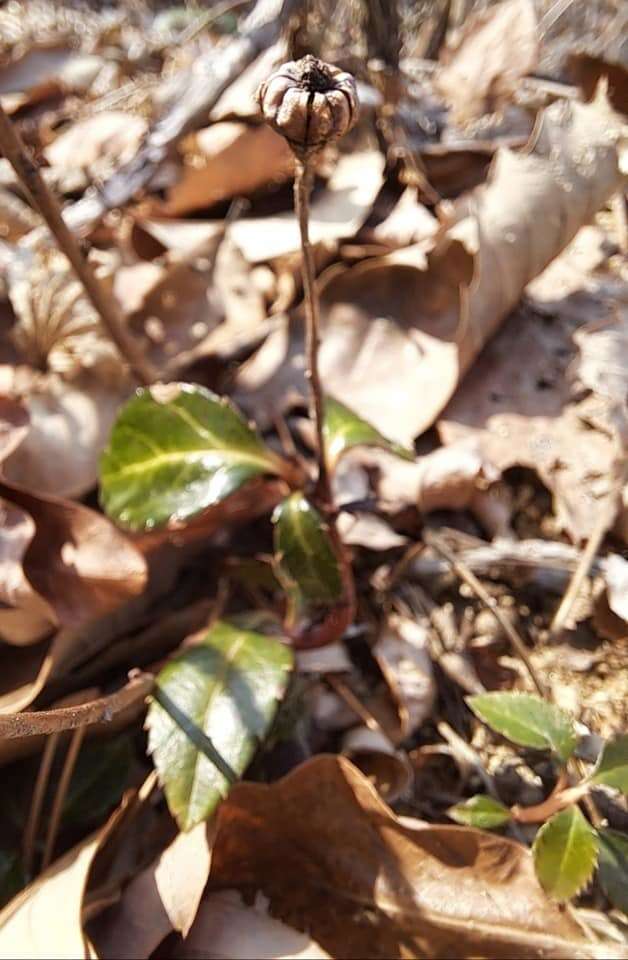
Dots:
pixel 473 297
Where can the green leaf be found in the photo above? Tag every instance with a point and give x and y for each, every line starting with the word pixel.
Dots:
pixel 174 451
pixel 480 811
pixel 99 780
pixel 12 877
pixel 343 429
pixel 306 562
pixel 216 699
pixel 527 720
pixel 565 852
pixel 613 867
pixel 612 767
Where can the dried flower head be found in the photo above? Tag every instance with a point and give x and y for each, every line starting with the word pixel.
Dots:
pixel 309 102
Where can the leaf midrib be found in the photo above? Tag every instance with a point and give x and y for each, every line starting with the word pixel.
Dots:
pixel 220 683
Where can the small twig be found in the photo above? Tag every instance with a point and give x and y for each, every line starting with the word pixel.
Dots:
pixel 37 802
pixel 302 189
pixel 36 723
pixel 44 201
pixel 584 565
pixel 64 783
pixel 354 704
pixel 469 578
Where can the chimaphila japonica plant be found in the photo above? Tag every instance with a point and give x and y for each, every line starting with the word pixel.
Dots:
pixel 182 457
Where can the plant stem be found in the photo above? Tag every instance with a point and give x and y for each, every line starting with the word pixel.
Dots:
pixel 45 202
pixel 302 189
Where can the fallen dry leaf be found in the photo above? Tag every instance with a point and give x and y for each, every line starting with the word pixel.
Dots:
pixel 45 918
pixel 160 899
pixel 331 856
pixel 27 617
pixel 400 331
pixel 388 769
pixel 98 143
pixel 494 49
pixel 227 927
pixel 227 160
pixel 337 212
pixel 77 560
pixel 45 71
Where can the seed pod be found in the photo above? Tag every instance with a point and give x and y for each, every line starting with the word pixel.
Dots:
pixel 309 102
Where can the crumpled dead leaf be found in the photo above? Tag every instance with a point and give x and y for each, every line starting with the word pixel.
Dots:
pixel 45 71
pixel 98 144
pixel 162 898
pixel 494 49
pixel 27 617
pixel 337 212
pixel 227 927
pixel 77 560
pixel 320 844
pixel 400 331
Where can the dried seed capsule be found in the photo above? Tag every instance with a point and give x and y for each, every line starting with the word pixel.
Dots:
pixel 309 102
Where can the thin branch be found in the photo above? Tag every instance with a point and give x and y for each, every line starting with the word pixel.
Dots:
pixel 62 790
pixel 37 802
pixel 45 202
pixel 472 581
pixel 585 562
pixel 32 724
pixel 302 189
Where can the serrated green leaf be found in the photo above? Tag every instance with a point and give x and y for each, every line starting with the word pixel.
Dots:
pixel 174 451
pixel 344 429
pixel 612 767
pixel 527 720
pixel 565 852
pixel 613 867
pixel 481 811
pixel 223 693
pixel 306 562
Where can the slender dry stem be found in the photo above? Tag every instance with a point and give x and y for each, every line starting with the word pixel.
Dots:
pixel 302 190
pixel 37 802
pixel 57 807
pixel 469 578
pixel 45 202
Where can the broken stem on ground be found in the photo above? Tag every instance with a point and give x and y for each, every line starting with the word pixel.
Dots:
pixel 518 644
pixel 302 190
pixel 45 203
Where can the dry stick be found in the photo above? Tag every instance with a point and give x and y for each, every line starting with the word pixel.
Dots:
pixel 584 565
pixel 64 783
pixel 469 578
pixel 44 201
pixel 302 189
pixel 37 802
pixel 34 723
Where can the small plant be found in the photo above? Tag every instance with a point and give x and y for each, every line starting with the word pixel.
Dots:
pixel 567 847
pixel 179 456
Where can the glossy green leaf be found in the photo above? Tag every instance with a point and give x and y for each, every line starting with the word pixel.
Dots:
pixel 481 811
pixel 306 562
pixel 174 451
pixel 217 699
pixel 565 853
pixel 343 429
pixel 613 867
pixel 612 767
pixel 527 720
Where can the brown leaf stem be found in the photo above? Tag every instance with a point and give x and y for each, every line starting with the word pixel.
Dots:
pixel 57 807
pixel 45 202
